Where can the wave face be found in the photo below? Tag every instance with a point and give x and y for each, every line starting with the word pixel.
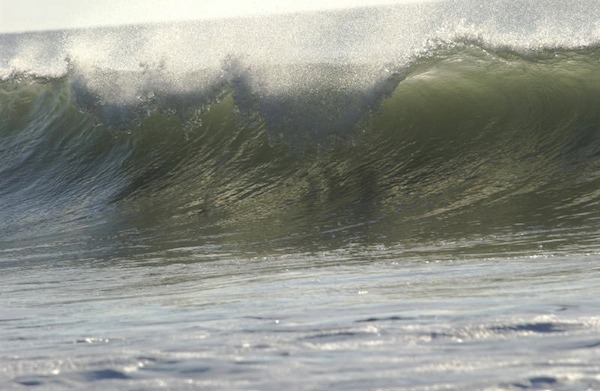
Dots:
pixel 439 123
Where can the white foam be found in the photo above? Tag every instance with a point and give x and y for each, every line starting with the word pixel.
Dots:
pixel 191 56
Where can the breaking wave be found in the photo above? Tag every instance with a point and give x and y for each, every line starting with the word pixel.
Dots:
pixel 455 140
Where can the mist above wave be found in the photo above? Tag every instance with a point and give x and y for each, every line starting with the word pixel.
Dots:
pixel 191 55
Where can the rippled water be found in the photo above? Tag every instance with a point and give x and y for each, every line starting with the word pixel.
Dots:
pixel 347 319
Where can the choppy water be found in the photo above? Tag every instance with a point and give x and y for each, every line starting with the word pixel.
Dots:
pixel 400 197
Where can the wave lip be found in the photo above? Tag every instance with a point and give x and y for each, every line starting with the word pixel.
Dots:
pixel 393 35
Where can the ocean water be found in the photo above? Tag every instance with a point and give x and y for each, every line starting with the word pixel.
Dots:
pixel 392 197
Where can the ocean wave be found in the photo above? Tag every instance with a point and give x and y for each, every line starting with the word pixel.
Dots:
pixel 466 140
pixel 445 121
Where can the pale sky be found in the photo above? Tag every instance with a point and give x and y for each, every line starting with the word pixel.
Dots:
pixel 30 15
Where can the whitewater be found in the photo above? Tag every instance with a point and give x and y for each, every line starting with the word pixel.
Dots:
pixel 385 197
